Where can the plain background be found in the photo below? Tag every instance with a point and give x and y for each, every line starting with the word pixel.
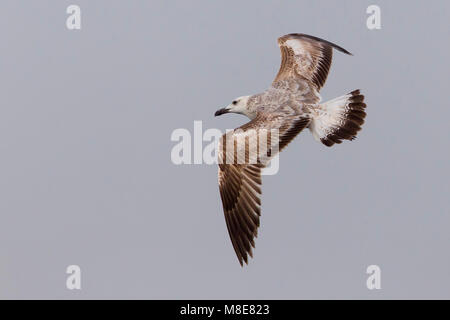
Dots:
pixel 86 176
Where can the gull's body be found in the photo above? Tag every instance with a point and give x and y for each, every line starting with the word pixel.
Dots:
pixel 291 104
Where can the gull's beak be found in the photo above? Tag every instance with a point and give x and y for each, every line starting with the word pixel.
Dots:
pixel 221 111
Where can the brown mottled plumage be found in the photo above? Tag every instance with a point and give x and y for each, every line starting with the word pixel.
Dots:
pixel 277 116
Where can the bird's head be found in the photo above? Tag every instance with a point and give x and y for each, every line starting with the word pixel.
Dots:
pixel 239 105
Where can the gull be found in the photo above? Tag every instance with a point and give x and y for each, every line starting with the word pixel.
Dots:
pixel 281 112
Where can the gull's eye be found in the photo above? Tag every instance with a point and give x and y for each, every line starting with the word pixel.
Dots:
pixel 234 102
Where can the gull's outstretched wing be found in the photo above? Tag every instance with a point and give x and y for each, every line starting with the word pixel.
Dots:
pixel 242 154
pixel 305 57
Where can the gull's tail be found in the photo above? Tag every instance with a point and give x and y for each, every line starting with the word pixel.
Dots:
pixel 338 119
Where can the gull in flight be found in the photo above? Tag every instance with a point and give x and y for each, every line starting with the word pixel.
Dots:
pixel 277 115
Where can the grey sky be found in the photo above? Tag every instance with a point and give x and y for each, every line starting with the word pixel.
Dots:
pixel 86 176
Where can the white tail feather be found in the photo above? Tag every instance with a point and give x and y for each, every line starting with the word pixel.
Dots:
pixel 338 119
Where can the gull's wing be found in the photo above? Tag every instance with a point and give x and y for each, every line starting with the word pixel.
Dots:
pixel 240 176
pixel 305 57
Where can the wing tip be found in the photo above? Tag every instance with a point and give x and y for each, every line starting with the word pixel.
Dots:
pixel 307 36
